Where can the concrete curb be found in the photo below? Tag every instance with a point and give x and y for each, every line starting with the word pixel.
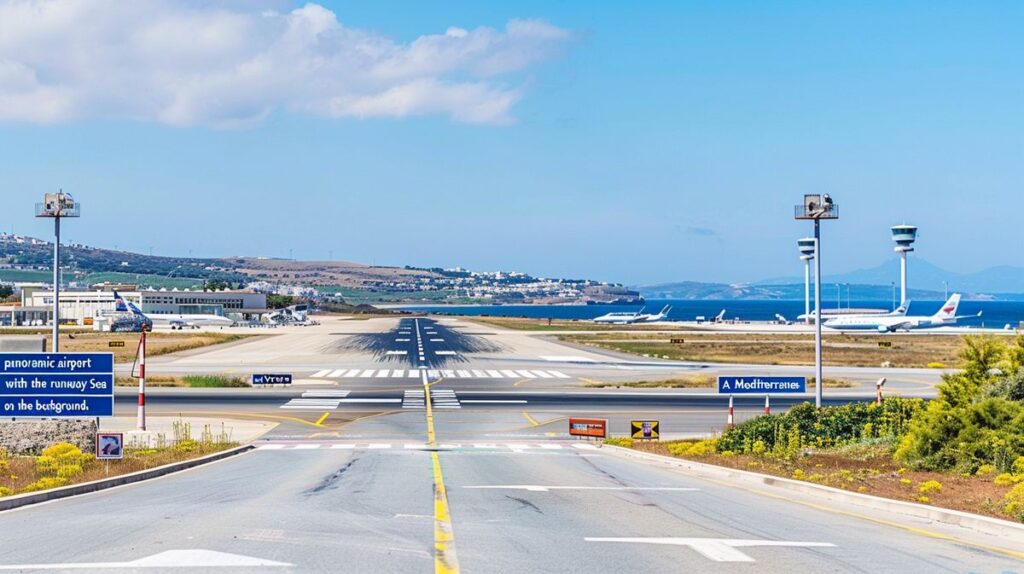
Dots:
pixel 12 502
pixel 976 522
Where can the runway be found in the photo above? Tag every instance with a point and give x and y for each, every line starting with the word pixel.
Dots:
pixel 435 470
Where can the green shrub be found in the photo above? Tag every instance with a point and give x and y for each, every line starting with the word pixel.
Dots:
pixel 46 483
pixel 623 441
pixel 4 491
pixel 804 426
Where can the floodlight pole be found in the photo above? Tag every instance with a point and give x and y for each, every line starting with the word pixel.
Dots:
pixel 819 381
pixel 55 347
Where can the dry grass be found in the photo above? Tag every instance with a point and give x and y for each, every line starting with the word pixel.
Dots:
pixel 195 381
pixel 157 343
pixel 869 470
pixel 784 349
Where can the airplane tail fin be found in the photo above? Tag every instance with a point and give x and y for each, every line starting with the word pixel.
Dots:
pixel 948 311
pixel 720 317
pixel 119 304
pixel 902 309
pixel 664 311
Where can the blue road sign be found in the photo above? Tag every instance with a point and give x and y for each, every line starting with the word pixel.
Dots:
pixel 761 385
pixel 71 385
pixel 266 379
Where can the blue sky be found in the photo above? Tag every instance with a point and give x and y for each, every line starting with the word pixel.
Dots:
pixel 639 144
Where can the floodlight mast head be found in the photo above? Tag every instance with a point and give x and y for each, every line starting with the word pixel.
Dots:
pixel 58 204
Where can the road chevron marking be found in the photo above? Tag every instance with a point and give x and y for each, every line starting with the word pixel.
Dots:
pixel 170 558
pixel 540 488
pixel 717 549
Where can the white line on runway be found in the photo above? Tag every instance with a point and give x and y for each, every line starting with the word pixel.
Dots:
pixel 527 374
pixel 351 373
pixel 717 549
pixel 192 558
pixel 495 401
pixel 445 353
pixel 371 400
pixel 320 374
pixel 366 374
pixel 335 374
pixel 397 353
pixel 398 374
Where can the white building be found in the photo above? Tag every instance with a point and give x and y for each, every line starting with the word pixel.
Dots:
pixel 84 306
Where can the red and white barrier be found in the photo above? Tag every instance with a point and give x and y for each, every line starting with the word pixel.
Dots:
pixel 140 422
pixel 730 422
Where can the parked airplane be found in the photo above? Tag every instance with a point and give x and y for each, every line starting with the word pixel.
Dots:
pixel 945 316
pixel 829 314
pixel 630 318
pixel 174 321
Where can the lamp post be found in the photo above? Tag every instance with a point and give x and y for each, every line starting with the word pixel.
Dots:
pixel 816 208
pixel 57 205
pixel 806 246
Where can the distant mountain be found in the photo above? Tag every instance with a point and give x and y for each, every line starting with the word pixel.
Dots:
pixel 921 274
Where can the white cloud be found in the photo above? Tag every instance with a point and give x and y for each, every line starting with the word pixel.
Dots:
pixel 204 63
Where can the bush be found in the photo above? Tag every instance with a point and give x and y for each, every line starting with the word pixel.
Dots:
pixel 1015 502
pixel 929 486
pixel 805 426
pixel 46 483
pixel 4 491
pixel 692 448
pixel 623 441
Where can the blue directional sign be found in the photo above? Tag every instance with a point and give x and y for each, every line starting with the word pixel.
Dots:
pixel 761 385
pixel 268 379
pixel 70 385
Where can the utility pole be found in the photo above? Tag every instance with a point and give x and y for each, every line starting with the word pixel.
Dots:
pixel 57 205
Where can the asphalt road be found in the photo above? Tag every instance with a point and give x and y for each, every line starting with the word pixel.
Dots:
pixel 425 471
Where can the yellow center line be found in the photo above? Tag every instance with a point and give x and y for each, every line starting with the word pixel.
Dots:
pixel 533 421
pixel 320 421
pixel 445 561
pixel 520 382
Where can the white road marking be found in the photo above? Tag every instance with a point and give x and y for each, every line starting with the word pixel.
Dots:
pixel 196 558
pixel 398 374
pixel 401 340
pixel 378 445
pixel 479 374
pixel 527 374
pixel 437 340
pixel 366 374
pixel 397 353
pixel 542 374
pixel 446 353
pixel 371 400
pixel 343 446
pixel 510 374
pixel 325 394
pixel 351 373
pixel 463 374
pixel 383 373
pixel 494 374
pixel 336 374
pixel 270 446
pixel 717 549
pixel 449 374
pixel 414 374
pixel 320 374
pixel 560 375
pixel 495 401
pixel 307 446
pixel 584 446
pixel 540 488
pixel 433 374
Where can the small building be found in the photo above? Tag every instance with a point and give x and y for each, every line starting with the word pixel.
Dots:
pixel 82 307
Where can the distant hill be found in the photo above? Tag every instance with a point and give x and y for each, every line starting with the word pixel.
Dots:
pixel 922 274
pixel 695 290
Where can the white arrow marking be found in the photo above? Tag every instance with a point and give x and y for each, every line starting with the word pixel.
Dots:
pixel 168 559
pixel 717 549
pixel 539 488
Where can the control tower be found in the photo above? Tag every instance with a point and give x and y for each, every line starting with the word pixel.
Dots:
pixel 904 236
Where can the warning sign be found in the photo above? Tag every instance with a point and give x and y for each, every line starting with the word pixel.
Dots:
pixel 645 430
pixel 109 445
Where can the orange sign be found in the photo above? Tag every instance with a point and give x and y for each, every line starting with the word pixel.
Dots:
pixel 588 427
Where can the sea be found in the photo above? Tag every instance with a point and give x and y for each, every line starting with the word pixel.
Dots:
pixel 994 314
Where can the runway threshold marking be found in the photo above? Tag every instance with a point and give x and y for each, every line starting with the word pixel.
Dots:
pixel 320 421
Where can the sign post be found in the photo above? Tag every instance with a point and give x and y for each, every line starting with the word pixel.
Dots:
pixel 645 430
pixel 759 386
pixel 270 379
pixel 593 428
pixel 57 385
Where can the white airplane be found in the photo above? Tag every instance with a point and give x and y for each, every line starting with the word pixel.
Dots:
pixel 945 316
pixel 176 321
pixel 630 318
pixel 829 314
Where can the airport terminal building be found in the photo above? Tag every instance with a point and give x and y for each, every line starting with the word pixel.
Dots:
pixel 82 307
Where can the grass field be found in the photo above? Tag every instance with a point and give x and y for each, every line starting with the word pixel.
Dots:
pixel 157 343
pixel 784 349
pixel 194 381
